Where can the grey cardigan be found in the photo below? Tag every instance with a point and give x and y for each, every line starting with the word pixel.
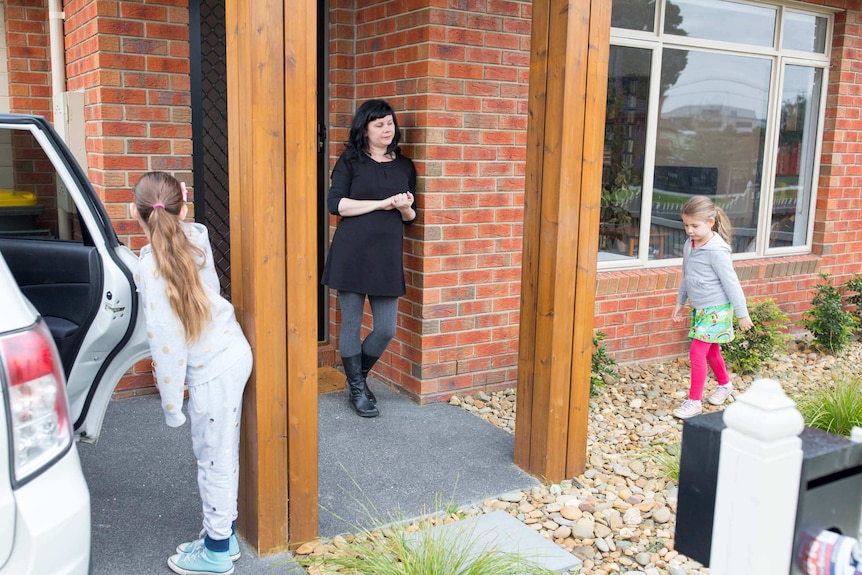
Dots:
pixel 708 277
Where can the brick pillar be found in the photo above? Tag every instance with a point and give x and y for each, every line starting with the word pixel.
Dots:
pixel 838 204
pixel 458 80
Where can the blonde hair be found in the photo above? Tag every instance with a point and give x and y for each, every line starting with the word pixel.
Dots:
pixel 703 208
pixel 178 260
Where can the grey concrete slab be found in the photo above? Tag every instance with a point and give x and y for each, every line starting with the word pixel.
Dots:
pixel 143 483
pixel 501 532
pixel 409 460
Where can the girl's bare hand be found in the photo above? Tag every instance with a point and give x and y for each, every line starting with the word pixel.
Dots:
pixel 677 316
pixel 745 323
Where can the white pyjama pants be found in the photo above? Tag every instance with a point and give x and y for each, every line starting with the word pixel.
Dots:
pixel 214 410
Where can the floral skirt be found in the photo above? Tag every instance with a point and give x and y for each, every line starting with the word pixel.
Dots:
pixel 712 324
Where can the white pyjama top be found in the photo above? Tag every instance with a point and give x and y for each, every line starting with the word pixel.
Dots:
pixel 220 346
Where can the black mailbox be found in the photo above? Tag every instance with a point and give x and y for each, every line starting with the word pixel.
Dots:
pixel 830 489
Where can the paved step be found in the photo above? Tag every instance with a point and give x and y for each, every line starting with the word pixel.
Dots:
pixel 501 531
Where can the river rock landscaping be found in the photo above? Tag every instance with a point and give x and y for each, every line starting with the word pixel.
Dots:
pixel 619 516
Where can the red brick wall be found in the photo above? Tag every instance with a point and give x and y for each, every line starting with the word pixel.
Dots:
pixel 838 219
pixel 27 52
pixel 131 59
pixel 633 308
pixel 457 79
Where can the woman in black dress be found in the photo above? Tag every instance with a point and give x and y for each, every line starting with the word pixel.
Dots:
pixel 373 189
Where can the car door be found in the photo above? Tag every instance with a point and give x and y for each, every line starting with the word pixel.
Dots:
pixel 58 242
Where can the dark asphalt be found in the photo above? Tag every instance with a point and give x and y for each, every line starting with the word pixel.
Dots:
pixel 410 460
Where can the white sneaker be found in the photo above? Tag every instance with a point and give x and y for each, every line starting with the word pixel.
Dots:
pixel 689 408
pixel 721 394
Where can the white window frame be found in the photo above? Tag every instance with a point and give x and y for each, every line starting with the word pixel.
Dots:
pixel 657 41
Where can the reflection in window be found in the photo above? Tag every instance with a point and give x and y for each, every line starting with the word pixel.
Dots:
pixel 633 14
pixel 711 134
pixel 794 166
pixel 687 114
pixel 805 32
pixel 625 149
pixel 721 20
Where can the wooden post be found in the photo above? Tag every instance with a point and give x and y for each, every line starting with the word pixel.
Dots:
pixel 565 138
pixel 300 162
pixel 273 261
pixel 759 470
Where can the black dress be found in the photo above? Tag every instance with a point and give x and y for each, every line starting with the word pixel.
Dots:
pixel 367 252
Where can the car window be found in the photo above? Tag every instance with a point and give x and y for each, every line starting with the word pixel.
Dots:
pixel 34 202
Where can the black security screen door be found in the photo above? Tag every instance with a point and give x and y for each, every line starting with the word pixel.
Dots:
pixel 208 53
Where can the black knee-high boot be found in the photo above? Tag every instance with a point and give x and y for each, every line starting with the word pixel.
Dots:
pixel 356 385
pixel 368 362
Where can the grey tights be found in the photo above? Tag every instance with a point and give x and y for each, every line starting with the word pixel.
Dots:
pixel 384 312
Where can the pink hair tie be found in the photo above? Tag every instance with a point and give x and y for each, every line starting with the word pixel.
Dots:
pixel 158 205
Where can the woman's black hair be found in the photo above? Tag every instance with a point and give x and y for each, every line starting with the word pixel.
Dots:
pixel 357 143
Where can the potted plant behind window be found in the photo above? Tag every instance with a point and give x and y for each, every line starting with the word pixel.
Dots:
pixel 615 217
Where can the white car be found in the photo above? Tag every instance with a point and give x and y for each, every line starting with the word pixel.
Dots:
pixel 70 327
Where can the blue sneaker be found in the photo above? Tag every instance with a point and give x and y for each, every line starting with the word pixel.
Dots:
pixel 232 550
pixel 201 561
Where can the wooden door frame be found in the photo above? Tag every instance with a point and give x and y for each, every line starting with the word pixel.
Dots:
pixel 272 61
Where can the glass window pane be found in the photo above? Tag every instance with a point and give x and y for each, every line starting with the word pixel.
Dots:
pixel 710 141
pixel 625 148
pixel 33 202
pixel 794 166
pixel 720 20
pixel 633 14
pixel 805 32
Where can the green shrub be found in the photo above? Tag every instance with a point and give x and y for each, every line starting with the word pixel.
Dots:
pixel 750 349
pixel 827 320
pixel 836 407
pixel 603 364
pixel 853 287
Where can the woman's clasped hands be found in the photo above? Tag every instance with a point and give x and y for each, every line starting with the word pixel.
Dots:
pixel 400 201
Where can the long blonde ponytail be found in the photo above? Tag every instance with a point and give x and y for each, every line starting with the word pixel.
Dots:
pixel 159 200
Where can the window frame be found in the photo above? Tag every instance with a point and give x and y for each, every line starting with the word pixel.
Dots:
pixel 657 41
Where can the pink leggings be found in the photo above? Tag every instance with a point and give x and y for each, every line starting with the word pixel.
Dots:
pixel 701 354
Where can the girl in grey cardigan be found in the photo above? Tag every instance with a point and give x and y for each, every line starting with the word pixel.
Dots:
pixel 711 285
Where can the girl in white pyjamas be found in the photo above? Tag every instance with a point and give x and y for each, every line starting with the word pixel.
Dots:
pixel 194 339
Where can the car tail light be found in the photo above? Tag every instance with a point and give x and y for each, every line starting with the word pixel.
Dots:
pixel 36 400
